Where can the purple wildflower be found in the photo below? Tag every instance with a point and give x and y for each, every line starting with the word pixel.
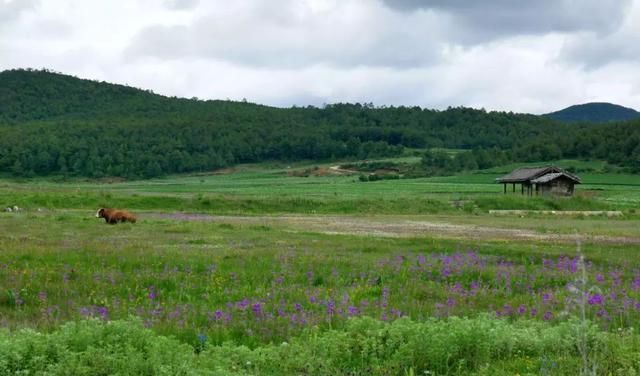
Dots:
pixel 603 314
pixel 595 299
pixel 615 275
pixel 451 302
pixel 243 304
pixel 331 308
pixel 573 265
pixel 103 312
pixel 522 309
pixel 257 309
pixel 385 297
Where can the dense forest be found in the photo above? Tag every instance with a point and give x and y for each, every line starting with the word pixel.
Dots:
pixel 54 124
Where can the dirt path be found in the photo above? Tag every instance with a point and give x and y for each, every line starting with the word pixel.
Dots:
pixel 395 227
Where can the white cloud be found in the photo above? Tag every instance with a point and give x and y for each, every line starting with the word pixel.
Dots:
pixel 181 4
pixel 10 10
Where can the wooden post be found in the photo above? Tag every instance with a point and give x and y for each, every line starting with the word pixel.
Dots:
pixel 514 187
pixel 505 188
pixel 522 189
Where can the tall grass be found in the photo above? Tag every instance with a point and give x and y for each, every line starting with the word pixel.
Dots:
pixel 365 346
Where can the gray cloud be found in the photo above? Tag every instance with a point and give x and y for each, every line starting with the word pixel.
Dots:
pixel 287 39
pixel 489 19
pixel 592 51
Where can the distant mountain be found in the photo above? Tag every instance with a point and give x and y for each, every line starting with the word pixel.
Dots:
pixel 594 113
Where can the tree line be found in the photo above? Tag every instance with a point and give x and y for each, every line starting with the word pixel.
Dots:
pixel 53 124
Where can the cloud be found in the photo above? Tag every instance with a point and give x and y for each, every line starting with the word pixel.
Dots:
pixel 11 10
pixel 533 56
pixel 593 51
pixel 348 33
pixel 490 19
pixel 181 4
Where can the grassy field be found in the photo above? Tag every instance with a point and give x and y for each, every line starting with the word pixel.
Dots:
pixel 286 285
pixel 254 189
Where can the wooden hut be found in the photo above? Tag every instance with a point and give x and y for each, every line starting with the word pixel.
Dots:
pixel 541 180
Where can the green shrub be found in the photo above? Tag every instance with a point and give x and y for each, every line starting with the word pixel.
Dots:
pixel 365 346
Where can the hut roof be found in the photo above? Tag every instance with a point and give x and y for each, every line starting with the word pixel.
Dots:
pixel 524 174
pixel 552 176
pixel 529 174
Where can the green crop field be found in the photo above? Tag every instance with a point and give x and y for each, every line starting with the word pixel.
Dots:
pixel 260 272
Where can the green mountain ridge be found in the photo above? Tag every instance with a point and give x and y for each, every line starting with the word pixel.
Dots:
pixel 27 94
pixel 595 112
pixel 55 124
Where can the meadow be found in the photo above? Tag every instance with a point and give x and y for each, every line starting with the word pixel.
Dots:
pixel 245 273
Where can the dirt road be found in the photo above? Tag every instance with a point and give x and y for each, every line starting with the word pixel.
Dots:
pixel 395 227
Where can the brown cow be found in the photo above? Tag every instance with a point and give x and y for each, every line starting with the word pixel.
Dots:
pixel 113 216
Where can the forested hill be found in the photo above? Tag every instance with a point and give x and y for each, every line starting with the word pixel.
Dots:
pixel 44 95
pixel 54 124
pixel 594 113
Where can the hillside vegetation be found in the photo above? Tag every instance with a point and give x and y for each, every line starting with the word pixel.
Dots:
pixel 595 113
pixel 54 124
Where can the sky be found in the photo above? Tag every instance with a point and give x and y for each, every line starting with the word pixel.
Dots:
pixel 532 56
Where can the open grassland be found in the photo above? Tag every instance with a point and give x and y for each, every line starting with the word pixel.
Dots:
pixel 318 275
pixel 252 189
pixel 209 283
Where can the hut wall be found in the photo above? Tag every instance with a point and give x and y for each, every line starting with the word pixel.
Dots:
pixel 560 186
